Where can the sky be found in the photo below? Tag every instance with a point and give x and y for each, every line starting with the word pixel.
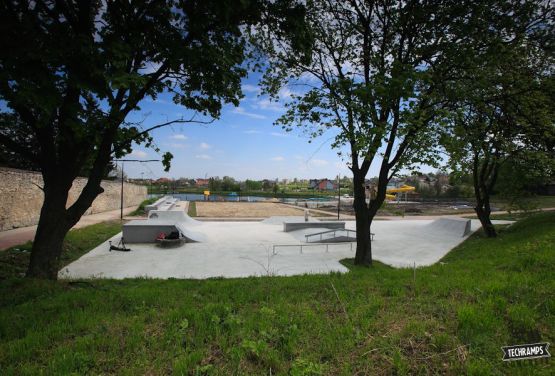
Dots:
pixel 243 143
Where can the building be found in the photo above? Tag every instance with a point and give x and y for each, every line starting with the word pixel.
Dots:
pixel 201 182
pixel 164 181
pixel 322 185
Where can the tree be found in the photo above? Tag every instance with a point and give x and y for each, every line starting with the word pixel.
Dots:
pixel 502 100
pixel 266 184
pixel 370 79
pixel 215 184
pixel 229 184
pixel 521 175
pixel 72 71
pixel 253 185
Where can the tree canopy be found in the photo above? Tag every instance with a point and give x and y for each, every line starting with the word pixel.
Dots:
pixel 500 100
pixel 72 71
pixel 371 79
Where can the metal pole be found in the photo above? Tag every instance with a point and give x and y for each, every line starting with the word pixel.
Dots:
pixel 338 194
pixel 121 196
pixel 129 160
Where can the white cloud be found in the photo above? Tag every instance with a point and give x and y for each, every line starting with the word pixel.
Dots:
pixel 251 131
pixel 203 156
pixel 318 162
pixel 179 137
pixel 175 145
pixel 138 154
pixel 277 134
pixel 286 93
pixel 266 104
pixel 205 146
pixel 248 88
pixel 278 159
pixel 241 111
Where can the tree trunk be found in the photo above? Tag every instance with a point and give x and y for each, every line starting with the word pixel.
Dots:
pixel 55 222
pixel 363 254
pixel 483 211
pixel 482 191
pixel 51 231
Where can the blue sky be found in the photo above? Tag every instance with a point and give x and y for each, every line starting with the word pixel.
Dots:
pixel 243 143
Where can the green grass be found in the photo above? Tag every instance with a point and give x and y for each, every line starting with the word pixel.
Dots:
pixel 14 261
pixel 452 318
pixel 532 202
pixel 509 216
pixel 140 211
pixel 192 211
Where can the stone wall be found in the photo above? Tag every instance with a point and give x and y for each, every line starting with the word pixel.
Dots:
pixel 21 198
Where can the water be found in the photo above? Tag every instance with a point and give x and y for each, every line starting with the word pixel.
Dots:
pixel 199 197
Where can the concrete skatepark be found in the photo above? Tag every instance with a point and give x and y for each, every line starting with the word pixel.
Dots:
pixel 243 249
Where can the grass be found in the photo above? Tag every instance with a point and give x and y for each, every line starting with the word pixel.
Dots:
pixel 140 211
pixel 14 261
pixel 510 216
pixel 192 211
pixel 449 318
pixel 532 202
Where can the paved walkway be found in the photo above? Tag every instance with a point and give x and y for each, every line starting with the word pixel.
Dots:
pixel 24 234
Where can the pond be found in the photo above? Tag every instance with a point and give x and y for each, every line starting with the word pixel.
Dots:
pixel 200 197
pixel 236 198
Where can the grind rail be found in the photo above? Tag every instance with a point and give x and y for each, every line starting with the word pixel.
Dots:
pixel 308 245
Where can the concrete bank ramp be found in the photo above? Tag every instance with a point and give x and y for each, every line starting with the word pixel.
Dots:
pixel 452 226
pixel 164 203
pixel 173 215
pixel 191 236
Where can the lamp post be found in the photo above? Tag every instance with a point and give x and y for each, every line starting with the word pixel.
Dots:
pixel 338 195
pixel 121 193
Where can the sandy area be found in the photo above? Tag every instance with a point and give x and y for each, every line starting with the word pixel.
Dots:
pixel 244 209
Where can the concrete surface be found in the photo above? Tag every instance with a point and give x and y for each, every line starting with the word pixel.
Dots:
pixel 241 249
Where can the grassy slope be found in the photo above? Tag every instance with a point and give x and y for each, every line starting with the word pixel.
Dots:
pixel 192 211
pixel 141 209
pixel 14 261
pixel 487 293
pixel 534 202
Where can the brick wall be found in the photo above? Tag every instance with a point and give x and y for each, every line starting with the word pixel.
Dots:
pixel 21 198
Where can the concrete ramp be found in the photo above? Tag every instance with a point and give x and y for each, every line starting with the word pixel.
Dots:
pixel 452 226
pixel 164 203
pixel 191 236
pixel 173 215
pixel 141 231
